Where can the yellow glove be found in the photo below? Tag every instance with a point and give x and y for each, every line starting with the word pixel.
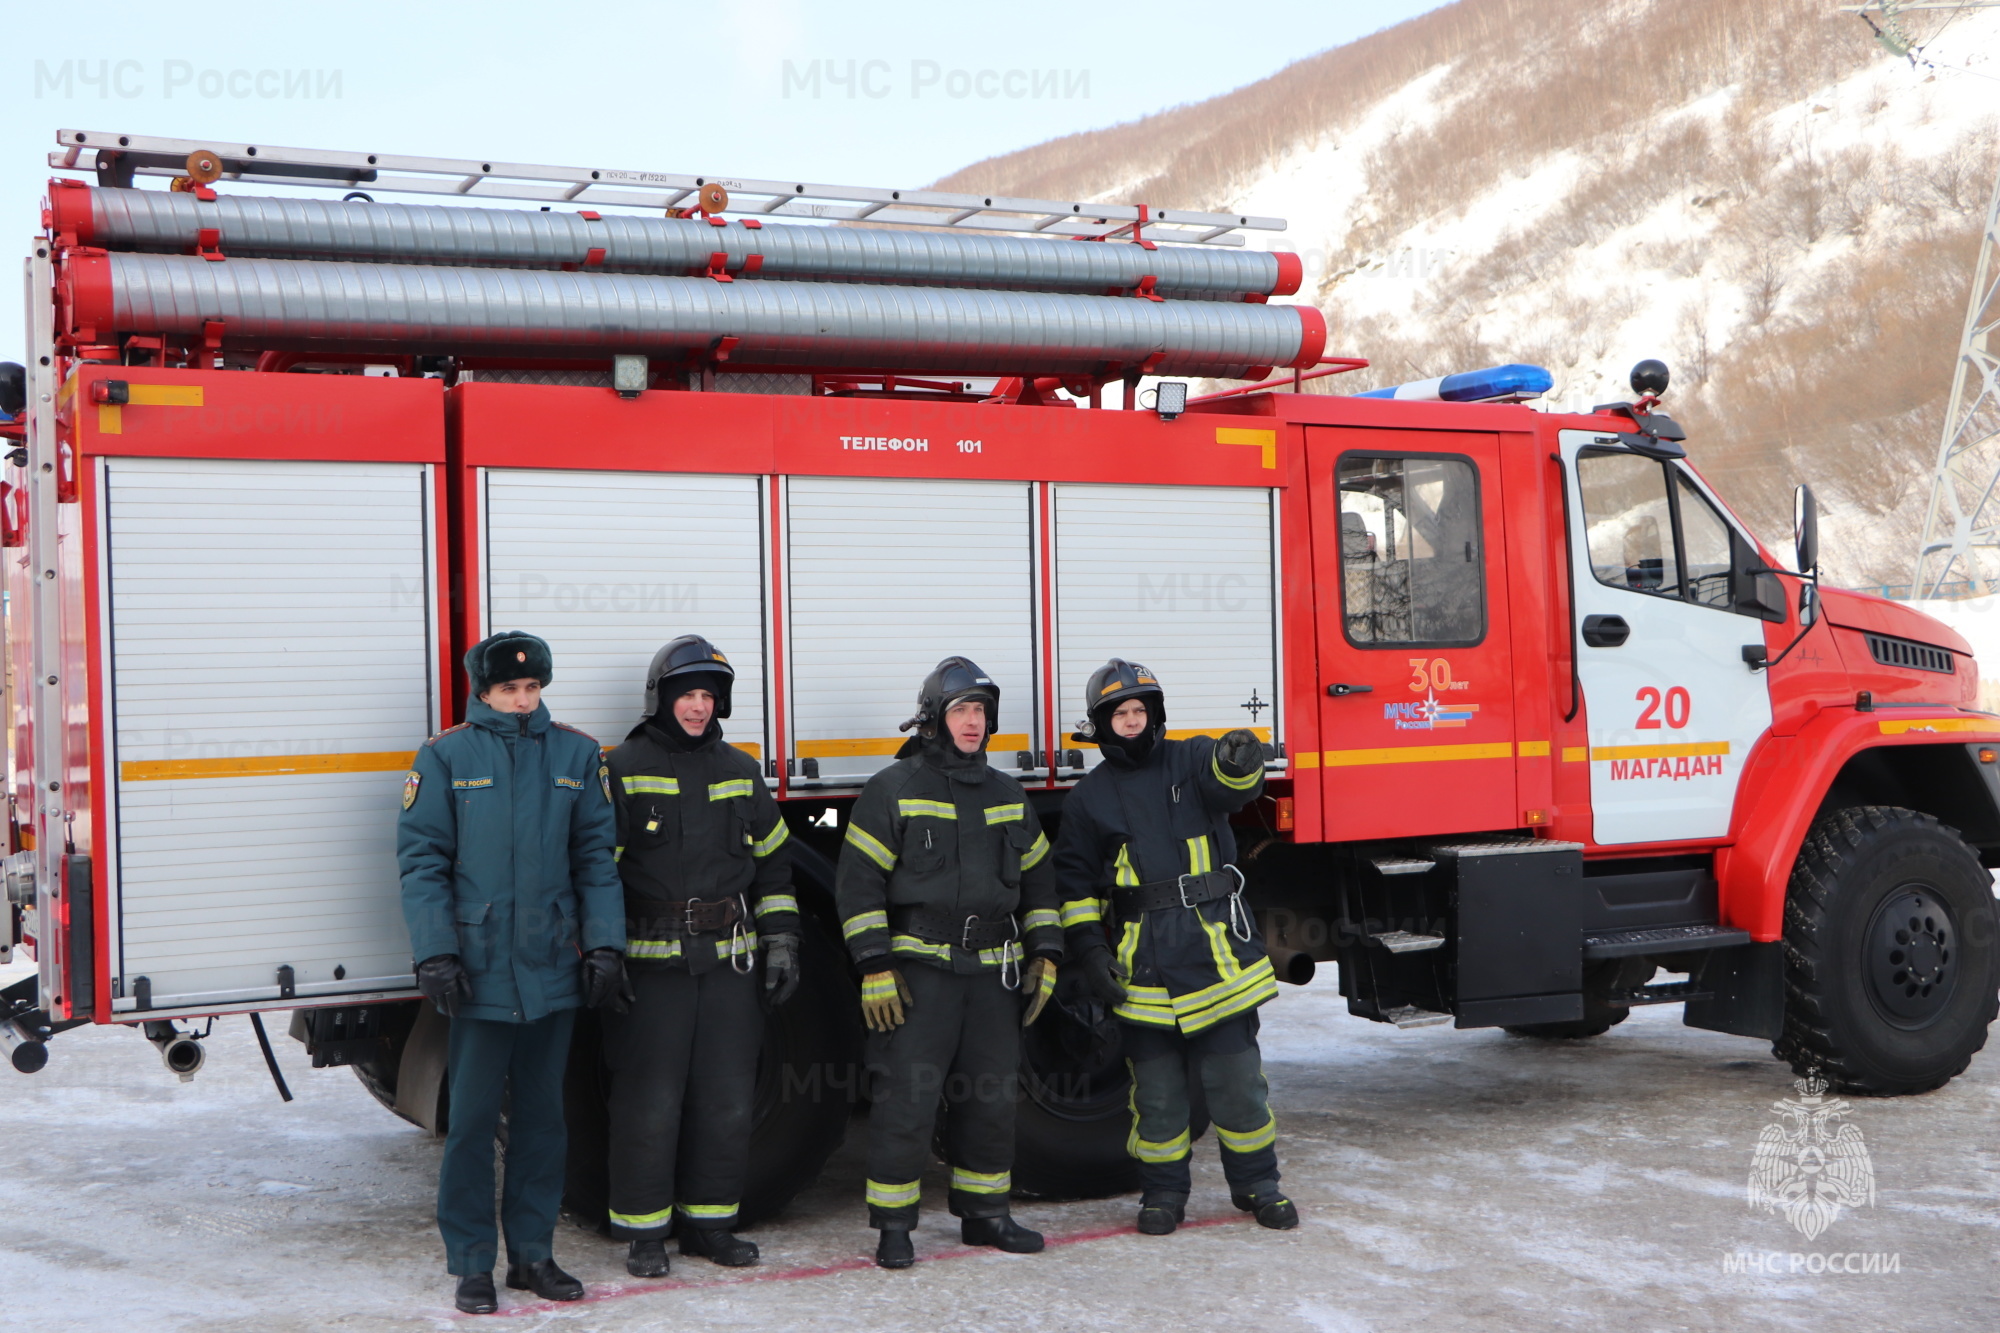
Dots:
pixel 1039 981
pixel 883 995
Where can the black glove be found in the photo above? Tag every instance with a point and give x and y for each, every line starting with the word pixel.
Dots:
pixel 1240 753
pixel 443 981
pixel 605 985
pixel 1103 978
pixel 781 967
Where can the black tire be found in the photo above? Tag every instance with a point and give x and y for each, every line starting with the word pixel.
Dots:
pixel 1599 1014
pixel 1074 1116
pixel 807 1079
pixel 377 1071
pixel 1890 963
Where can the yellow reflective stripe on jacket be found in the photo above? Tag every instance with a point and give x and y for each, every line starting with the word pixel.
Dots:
pixel 1082 912
pixel 1041 916
pixel 709 1212
pixel 1244 783
pixel 880 1195
pixel 639 785
pixel 654 949
pixel 1226 966
pixel 642 1221
pixel 1033 856
pixel 1010 952
pixel 981 1182
pixel 771 841
pixel 1124 876
pixel 773 903
pixel 910 808
pixel 732 946
pixel 1003 814
pixel 878 986
pixel 722 791
pixel 1201 859
pixel 1255 985
pixel 871 847
pixel 618 852
pixel 1147 1005
pixel 911 946
pixel 1252 1141
pixel 861 921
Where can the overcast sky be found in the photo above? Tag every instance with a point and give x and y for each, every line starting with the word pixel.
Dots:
pixel 872 92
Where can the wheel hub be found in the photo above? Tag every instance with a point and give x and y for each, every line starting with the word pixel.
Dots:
pixel 1909 956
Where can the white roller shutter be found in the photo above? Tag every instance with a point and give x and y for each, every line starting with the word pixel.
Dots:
pixel 887 577
pixel 1177 578
pixel 608 566
pixel 269 643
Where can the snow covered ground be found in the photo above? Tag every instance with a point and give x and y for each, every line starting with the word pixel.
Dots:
pixel 1448 1180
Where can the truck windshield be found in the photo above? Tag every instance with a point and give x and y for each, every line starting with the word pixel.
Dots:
pixel 1411 552
pixel 1630 520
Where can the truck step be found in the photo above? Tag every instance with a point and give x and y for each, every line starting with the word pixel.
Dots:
pixel 1409 1016
pixel 1672 992
pixel 1402 865
pixel 1501 847
pixel 1659 939
pixel 1402 941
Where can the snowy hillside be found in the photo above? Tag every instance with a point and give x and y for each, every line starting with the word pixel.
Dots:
pixel 1758 193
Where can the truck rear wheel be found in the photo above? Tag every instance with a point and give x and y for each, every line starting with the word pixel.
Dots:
pixel 1890 961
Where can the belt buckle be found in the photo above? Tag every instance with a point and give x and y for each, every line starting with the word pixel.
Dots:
pixel 687 915
pixel 1181 887
pixel 965 934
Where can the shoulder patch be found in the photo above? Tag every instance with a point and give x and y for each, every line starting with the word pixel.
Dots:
pixel 604 780
pixel 410 785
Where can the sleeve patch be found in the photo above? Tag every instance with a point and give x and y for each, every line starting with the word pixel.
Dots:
pixel 410 785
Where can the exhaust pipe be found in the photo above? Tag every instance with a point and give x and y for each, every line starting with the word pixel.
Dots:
pixel 1292 965
pixel 26 1052
pixel 182 1052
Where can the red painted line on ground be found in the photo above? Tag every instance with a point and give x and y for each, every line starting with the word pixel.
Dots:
pixel 600 1294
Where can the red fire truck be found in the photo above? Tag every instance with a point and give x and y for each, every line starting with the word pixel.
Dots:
pixel 1545 720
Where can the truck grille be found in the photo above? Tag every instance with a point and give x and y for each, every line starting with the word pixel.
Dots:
pixel 1905 653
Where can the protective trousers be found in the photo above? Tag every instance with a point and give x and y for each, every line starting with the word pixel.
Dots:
pixel 1232 1076
pixel 960 1039
pixel 521 1064
pixel 683 1078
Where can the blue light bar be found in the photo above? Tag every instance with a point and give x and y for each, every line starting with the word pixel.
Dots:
pixel 1496 384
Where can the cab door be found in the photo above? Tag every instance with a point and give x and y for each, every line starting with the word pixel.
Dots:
pixel 1660 574
pixel 1416 677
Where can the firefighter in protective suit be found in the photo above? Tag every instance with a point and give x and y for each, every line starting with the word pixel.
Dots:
pixel 511 896
pixel 707 875
pixel 1146 849
pixel 945 892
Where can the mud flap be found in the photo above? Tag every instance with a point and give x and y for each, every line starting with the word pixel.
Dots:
pixel 1746 987
pixel 420 1076
pixel 1517 932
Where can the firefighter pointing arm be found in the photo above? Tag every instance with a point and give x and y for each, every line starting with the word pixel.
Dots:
pixel 1146 850
pixel 944 890
pixel 704 859
pixel 511 896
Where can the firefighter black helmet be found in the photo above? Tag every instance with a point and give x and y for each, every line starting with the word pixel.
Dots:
pixel 952 681
pixel 1112 684
pixel 688 663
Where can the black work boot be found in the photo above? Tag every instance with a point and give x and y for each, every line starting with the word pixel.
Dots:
pixel 476 1294
pixel 544 1279
pixel 894 1250
pixel 1002 1233
pixel 1159 1214
pixel 1270 1208
pixel 647 1258
pixel 719 1245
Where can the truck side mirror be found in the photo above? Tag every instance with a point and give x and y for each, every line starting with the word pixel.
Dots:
pixel 1805 529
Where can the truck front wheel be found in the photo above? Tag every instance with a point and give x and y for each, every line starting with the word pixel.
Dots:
pixel 1890 958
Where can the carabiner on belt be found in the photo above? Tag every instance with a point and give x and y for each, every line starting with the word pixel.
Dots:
pixel 1239 915
pixel 742 953
pixel 1010 956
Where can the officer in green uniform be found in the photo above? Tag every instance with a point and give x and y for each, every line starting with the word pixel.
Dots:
pixel 516 918
pixel 1146 848
pixel 707 872
pixel 944 889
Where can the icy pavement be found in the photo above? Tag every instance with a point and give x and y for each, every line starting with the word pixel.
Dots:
pixel 1448 1180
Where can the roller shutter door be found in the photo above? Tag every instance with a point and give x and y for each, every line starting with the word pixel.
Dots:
pixel 1177 578
pixel 608 566
pixel 887 577
pixel 270 636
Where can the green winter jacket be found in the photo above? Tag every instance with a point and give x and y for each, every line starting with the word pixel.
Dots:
pixel 505 846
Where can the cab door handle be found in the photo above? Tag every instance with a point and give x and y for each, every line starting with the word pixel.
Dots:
pixel 1605 631
pixel 1339 691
